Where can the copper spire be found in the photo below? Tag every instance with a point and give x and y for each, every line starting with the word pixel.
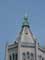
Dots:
pixel 25 22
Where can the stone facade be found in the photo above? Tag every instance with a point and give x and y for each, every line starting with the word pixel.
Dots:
pixel 26 46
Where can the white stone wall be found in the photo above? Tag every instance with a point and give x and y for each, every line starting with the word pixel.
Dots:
pixel 21 49
pixel 26 37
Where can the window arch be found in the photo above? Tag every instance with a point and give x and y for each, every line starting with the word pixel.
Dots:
pixel 32 56
pixel 42 58
pixel 13 55
pixel 16 56
pixel 28 55
pixel 23 56
pixel 10 58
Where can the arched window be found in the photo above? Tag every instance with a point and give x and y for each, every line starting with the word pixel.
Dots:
pixel 23 56
pixel 32 56
pixel 10 57
pixel 16 56
pixel 40 57
pixel 28 55
pixel 13 56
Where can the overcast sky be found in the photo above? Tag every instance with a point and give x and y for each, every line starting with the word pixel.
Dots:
pixel 11 18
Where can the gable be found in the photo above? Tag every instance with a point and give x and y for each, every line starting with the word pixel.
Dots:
pixel 26 35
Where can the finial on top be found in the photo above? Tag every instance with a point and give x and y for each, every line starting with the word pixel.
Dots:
pixel 26 16
pixel 25 22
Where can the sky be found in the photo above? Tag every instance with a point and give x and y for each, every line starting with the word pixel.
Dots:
pixel 11 18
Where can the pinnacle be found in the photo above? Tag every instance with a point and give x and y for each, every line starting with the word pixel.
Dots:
pixel 25 22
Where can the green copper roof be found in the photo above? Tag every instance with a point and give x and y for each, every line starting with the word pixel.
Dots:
pixel 25 22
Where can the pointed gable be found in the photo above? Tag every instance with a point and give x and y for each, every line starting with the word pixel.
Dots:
pixel 25 34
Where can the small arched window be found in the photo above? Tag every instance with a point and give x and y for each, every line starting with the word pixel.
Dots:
pixel 13 55
pixel 16 56
pixel 23 56
pixel 42 58
pixel 28 55
pixel 32 56
pixel 10 58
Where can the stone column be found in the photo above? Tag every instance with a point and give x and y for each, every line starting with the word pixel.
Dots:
pixel 19 51
pixel 7 55
pixel 36 50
